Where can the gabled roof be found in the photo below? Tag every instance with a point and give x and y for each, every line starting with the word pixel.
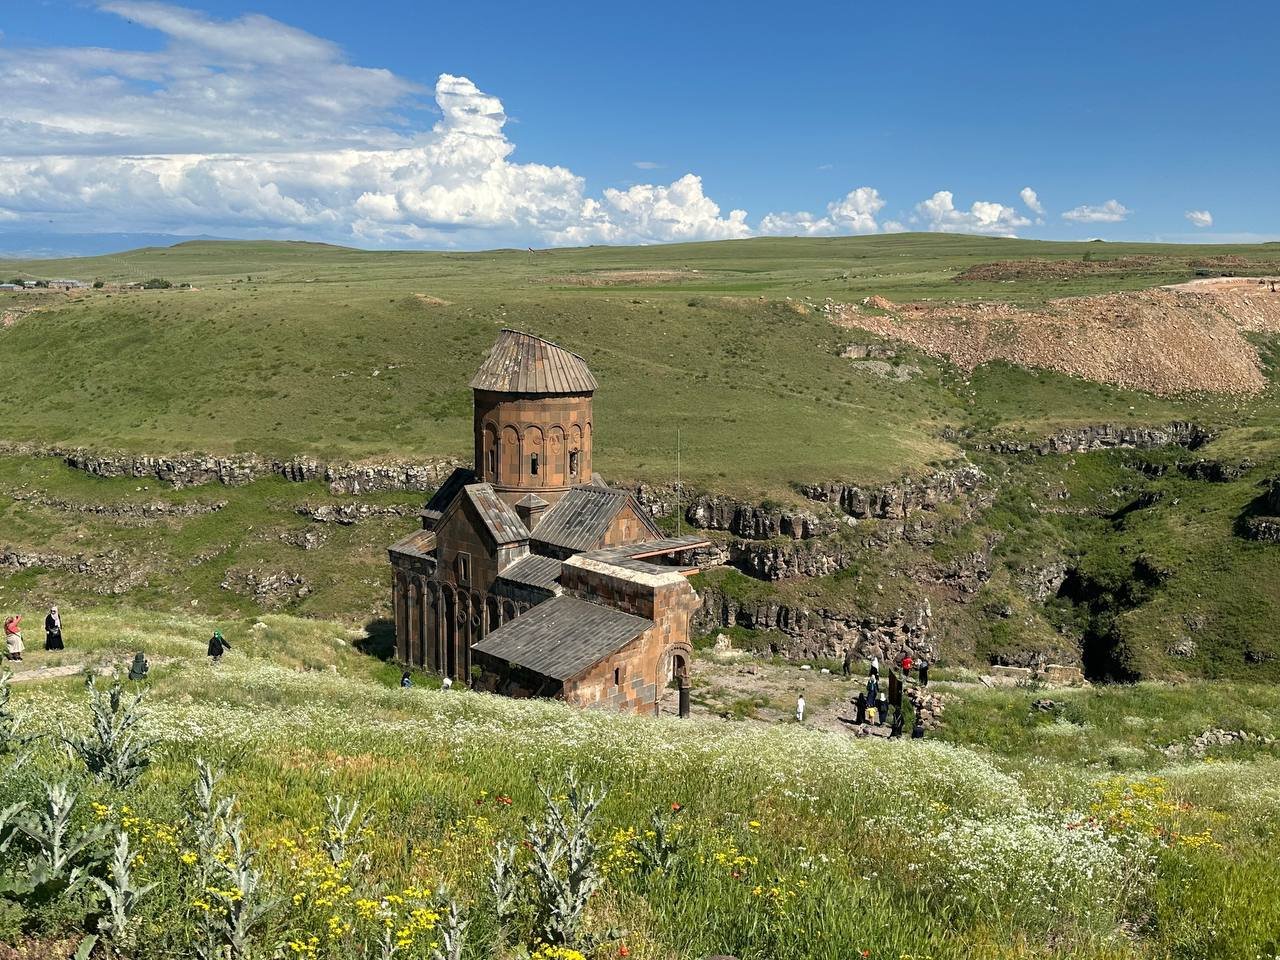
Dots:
pixel 501 521
pixel 582 516
pixel 522 363
pixel 418 544
pixel 563 636
pixel 640 557
pixel 447 491
pixel 534 571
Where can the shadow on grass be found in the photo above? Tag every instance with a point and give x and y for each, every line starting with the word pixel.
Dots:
pixel 1252 523
pixel 380 639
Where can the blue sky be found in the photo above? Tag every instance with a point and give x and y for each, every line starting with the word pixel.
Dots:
pixel 396 123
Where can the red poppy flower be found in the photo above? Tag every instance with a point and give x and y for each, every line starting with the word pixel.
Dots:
pixel 677 807
pixel 504 800
pixel 623 951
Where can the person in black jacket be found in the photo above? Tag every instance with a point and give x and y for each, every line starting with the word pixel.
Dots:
pixel 924 672
pixel 53 630
pixel 218 645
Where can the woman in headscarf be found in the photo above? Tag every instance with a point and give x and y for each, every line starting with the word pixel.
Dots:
pixel 13 645
pixel 218 645
pixel 53 630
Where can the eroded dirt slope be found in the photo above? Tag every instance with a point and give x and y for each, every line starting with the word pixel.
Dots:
pixel 1169 340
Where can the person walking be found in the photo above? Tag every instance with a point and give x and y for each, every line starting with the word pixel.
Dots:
pixel 875 666
pixel 906 664
pixel 800 709
pixel 53 630
pixel 218 645
pixel 13 645
pixel 860 717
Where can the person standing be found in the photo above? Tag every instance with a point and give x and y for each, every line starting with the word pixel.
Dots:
pixel 875 666
pixel 800 709
pixel 923 672
pixel 13 645
pixel 847 666
pixel 906 664
pixel 882 709
pixel 53 630
pixel 218 645
pixel 861 704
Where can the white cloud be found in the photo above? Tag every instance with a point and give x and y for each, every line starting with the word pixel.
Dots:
pixel 647 165
pixel 801 223
pixel 1031 201
pixel 1200 218
pixel 893 226
pixel 939 213
pixel 252 127
pixel 853 213
pixel 1113 211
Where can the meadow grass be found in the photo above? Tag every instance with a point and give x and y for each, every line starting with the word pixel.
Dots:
pixel 993 840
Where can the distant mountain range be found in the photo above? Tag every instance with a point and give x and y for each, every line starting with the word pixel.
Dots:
pixel 36 245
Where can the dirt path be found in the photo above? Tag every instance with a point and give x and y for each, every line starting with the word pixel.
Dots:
pixel 24 673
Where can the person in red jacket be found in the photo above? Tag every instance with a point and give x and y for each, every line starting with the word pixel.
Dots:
pixel 906 664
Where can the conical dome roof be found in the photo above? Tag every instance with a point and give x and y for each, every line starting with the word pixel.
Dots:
pixel 522 363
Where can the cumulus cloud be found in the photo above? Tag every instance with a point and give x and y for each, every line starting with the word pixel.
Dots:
pixel 1113 211
pixel 1200 218
pixel 255 127
pixel 853 213
pixel 646 165
pixel 1031 201
pixel 939 213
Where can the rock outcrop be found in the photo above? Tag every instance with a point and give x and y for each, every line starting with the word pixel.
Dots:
pixel 152 510
pixel 772 561
pixel 1215 471
pixel 348 514
pixel 271 589
pixel 821 633
pixel 900 499
pixel 753 521
pixel 189 470
pixel 109 573
pixel 1107 436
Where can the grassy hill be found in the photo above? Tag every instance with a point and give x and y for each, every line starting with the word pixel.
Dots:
pixel 1017 833
pixel 284 347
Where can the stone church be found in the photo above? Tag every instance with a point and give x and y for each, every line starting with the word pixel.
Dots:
pixel 532 578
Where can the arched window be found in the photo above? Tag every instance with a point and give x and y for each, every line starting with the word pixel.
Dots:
pixel 533 464
pixel 573 463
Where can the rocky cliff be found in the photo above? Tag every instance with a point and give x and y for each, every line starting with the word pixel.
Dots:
pixel 820 633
